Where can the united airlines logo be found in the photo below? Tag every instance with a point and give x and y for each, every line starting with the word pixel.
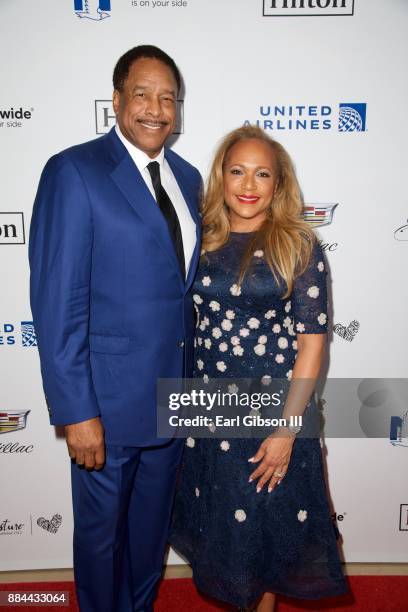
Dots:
pixel 28 334
pixel 96 10
pixel 299 117
pixel 352 117
pixel 399 430
pixel 321 214
pixel 13 420
pixel 9 337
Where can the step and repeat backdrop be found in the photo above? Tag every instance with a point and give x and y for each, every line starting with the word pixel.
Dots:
pixel 327 78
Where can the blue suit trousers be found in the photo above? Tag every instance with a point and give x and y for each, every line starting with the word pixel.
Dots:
pixel 121 517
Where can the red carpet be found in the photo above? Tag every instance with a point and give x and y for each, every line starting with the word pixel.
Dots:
pixel 369 594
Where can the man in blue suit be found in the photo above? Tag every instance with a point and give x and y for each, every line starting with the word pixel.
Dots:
pixel 114 246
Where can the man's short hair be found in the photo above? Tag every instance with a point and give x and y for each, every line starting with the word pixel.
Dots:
pixel 124 63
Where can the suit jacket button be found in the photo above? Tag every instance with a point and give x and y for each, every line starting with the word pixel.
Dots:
pixel 181 343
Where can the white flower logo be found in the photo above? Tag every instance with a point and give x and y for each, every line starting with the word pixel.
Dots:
pixel 207 343
pixel 225 445
pixel 288 306
pixel 258 253
pixel 322 318
pixel 233 388
pixel 226 324
pixel 197 299
pixel 202 326
pixel 300 327
pixel 200 364
pixel 223 347
pixel 235 340
pixel 283 343
pixel 302 515
pixel 206 281
pixel 235 290
pixel 259 349
pixel 214 306
pixel 313 292
pixel 244 332
pixel 190 442
pixel 320 266
pixel 240 516
pixel 197 492
pixel 276 328
pixel 289 374
pixel 279 358
pixel 217 333
pixel 270 314
pixel 206 321
pixel 266 380
pixel 253 323
pixel 262 339
pixel 206 379
pixel 238 350
pixel 230 314
pixel 199 341
pixel 294 345
pixel 221 366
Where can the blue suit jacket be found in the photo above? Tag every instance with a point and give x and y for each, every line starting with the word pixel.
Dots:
pixel 111 309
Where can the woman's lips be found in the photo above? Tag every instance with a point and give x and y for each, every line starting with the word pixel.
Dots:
pixel 248 199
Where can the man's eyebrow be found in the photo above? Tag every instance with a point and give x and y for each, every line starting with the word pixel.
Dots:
pixel 165 91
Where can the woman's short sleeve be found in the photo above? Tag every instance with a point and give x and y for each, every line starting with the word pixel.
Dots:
pixel 309 296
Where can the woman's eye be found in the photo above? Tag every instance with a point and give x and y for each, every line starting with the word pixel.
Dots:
pixel 235 171
pixel 263 174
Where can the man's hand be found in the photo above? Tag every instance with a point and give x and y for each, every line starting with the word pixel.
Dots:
pixel 86 445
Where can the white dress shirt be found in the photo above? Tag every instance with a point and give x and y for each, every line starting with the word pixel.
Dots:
pixel 168 180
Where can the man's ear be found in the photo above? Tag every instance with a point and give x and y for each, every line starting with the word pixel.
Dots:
pixel 116 100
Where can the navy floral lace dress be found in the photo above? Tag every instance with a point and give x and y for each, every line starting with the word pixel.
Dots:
pixel 240 543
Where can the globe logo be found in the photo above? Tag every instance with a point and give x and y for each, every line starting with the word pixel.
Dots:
pixel 352 117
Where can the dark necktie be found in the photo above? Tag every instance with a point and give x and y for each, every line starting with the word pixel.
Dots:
pixel 169 212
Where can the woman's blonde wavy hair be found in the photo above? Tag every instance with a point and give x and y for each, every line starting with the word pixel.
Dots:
pixel 284 236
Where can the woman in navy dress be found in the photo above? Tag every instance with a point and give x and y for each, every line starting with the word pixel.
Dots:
pixel 251 515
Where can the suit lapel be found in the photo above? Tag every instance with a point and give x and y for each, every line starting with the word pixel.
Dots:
pixel 130 182
pixel 132 185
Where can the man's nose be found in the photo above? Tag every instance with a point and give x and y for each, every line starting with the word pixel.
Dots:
pixel 153 106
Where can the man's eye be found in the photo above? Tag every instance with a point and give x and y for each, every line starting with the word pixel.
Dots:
pixel 140 94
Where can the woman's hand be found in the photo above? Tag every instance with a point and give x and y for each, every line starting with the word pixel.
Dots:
pixel 275 452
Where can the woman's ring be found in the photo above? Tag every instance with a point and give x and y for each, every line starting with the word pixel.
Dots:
pixel 279 474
